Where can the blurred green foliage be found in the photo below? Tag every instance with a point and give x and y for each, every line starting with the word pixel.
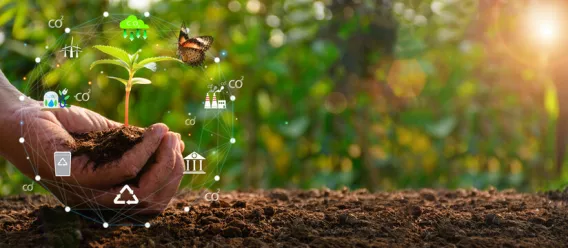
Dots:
pixel 375 94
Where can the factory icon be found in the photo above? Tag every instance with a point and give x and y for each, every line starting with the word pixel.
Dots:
pixel 214 104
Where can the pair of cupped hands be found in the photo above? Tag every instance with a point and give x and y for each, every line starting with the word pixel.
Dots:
pixel 46 132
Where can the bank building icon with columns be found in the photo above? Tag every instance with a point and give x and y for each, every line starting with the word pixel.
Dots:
pixel 193 158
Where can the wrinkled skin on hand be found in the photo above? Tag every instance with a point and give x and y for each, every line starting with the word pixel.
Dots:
pixel 46 132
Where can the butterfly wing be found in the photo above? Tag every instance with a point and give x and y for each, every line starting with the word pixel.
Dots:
pixel 183 35
pixel 191 56
pixel 192 50
pixel 200 42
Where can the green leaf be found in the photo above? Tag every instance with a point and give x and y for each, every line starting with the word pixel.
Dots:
pixel 133 58
pixel 151 66
pixel 296 127
pixel 7 16
pixel 551 101
pixel 124 81
pixel 67 97
pixel 442 128
pixel 138 80
pixel 111 62
pixel 146 61
pixel 115 52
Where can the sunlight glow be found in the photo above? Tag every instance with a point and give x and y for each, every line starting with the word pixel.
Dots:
pixel 544 24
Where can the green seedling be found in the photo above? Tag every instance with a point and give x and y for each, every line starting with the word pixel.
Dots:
pixel 132 65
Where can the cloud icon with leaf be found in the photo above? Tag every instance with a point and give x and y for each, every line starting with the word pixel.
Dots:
pixel 131 22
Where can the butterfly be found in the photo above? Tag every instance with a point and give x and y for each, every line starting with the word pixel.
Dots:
pixel 192 50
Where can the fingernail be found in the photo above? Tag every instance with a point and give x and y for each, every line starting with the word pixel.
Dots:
pixel 160 130
pixel 172 141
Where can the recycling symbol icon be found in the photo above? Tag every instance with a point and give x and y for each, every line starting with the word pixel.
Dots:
pixel 62 162
pixel 118 200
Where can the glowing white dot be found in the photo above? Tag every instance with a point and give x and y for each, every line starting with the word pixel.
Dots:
pixel 21 140
pixel 101 72
pixel 217 60
pixel 277 38
pixel 105 225
pixel 105 14
pixel 186 209
pixel 28 158
pixel 273 21
pixel 21 123
pixel 254 6
pixel 234 6
pixel 46 47
pixel 217 178
pixel 233 98
pixel 147 225
pixel 146 14
pixel 37 60
pixel 67 30
pixel 37 178
pixel 22 98
pixel 233 140
pixel 67 209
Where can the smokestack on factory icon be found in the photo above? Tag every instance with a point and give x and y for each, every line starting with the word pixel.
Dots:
pixel 220 104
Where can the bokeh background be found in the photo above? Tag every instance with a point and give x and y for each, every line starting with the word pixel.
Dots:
pixel 370 94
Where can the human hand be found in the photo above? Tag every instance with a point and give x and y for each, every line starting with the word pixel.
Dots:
pixel 46 132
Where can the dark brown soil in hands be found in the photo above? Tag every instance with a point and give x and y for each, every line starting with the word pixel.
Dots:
pixel 106 146
pixel 315 218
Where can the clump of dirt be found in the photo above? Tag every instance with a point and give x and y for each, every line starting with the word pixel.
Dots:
pixel 314 218
pixel 106 146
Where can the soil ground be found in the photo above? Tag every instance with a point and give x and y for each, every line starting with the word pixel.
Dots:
pixel 314 218
pixel 105 146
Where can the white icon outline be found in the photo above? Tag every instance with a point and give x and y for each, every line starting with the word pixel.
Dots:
pixel 62 162
pixel 69 48
pixel 194 156
pixel 212 196
pixel 129 202
pixel 57 23
pixel 82 99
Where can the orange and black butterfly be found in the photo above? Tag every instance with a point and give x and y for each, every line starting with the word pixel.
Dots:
pixel 192 50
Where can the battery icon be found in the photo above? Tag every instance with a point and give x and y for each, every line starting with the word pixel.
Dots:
pixel 62 164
